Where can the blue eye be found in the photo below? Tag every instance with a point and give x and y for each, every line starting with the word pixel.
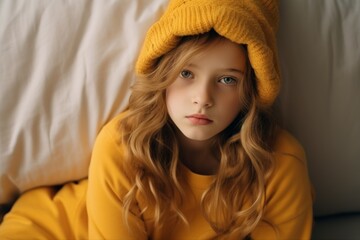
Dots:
pixel 228 80
pixel 186 74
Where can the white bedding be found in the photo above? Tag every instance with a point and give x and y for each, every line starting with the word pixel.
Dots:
pixel 66 68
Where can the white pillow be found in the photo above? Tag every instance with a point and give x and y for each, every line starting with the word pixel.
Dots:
pixel 65 69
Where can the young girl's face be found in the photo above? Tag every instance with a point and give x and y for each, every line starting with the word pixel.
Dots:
pixel 205 98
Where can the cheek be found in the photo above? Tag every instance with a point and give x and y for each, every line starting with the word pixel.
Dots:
pixel 172 99
pixel 231 107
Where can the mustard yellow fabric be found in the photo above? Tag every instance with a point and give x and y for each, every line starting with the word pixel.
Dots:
pixel 253 23
pixel 92 208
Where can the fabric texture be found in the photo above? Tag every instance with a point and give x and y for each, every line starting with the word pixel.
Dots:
pixel 66 68
pixel 253 23
pixel 62 214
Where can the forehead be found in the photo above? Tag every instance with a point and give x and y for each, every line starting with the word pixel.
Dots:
pixel 221 53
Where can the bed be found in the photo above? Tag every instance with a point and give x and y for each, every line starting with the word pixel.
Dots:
pixel 66 68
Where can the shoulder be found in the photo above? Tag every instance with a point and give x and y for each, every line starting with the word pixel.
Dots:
pixel 108 141
pixel 289 158
pixel 288 194
pixel 287 144
pixel 109 153
pixel 288 189
pixel 111 128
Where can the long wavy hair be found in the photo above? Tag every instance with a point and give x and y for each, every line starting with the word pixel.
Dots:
pixel 233 204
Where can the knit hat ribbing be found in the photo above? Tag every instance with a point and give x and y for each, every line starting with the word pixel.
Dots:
pixel 250 22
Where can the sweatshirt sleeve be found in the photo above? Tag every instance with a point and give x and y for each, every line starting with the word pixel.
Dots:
pixel 288 211
pixel 107 187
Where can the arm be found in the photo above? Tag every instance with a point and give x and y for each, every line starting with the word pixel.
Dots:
pixel 288 211
pixel 107 186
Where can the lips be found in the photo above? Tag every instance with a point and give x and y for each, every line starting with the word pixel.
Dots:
pixel 199 119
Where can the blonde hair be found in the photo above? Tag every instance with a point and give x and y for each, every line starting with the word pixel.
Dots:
pixel 234 203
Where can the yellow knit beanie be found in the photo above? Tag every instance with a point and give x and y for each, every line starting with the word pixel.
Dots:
pixel 250 22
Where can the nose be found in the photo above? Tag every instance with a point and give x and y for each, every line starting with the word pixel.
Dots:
pixel 203 96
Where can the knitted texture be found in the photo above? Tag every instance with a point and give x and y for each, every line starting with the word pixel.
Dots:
pixel 250 22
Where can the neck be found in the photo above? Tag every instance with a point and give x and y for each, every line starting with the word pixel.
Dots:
pixel 198 156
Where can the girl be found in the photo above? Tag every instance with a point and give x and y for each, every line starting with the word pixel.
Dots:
pixel 196 154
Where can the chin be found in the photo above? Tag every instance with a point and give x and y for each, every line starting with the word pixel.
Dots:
pixel 198 137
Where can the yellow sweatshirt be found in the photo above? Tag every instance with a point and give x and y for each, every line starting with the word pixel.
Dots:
pixel 92 208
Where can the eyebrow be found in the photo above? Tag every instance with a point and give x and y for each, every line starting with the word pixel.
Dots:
pixel 220 69
pixel 233 70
